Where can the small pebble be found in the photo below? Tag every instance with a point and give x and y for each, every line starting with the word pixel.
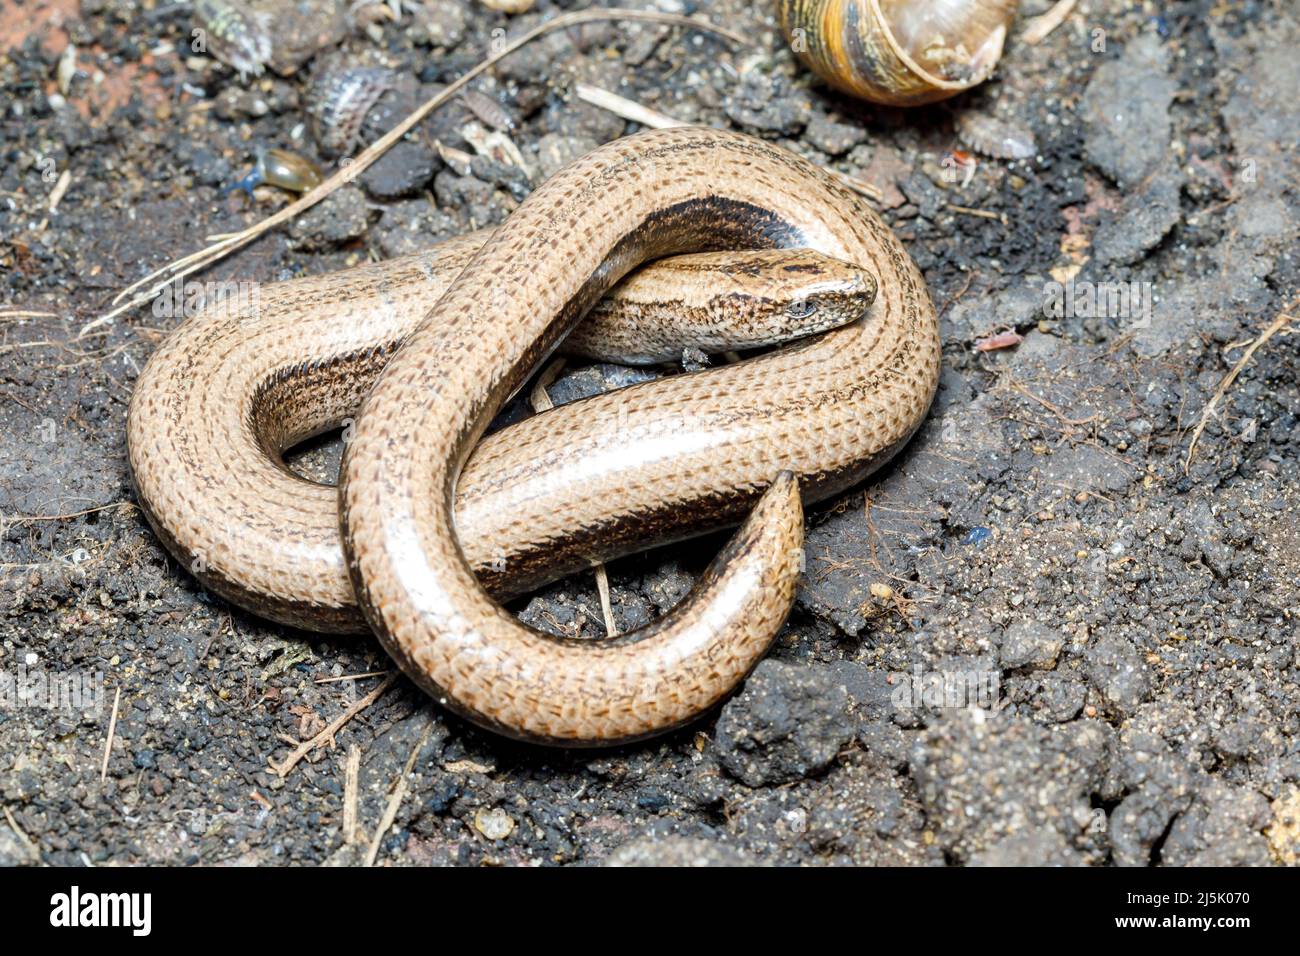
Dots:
pixel 402 171
pixel 495 824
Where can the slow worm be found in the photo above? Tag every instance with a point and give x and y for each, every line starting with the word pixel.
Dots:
pixel 827 412
pixel 250 376
pixel 230 391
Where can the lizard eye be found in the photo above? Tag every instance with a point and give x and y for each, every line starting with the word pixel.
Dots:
pixel 801 309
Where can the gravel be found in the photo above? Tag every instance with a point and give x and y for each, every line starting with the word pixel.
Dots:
pixel 788 723
pixel 1042 635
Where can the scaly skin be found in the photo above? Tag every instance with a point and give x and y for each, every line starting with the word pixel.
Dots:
pixel 241 382
pixel 828 412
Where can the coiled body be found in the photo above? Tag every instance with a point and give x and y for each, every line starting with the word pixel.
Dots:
pixel 545 497
pixel 826 412
pixel 250 376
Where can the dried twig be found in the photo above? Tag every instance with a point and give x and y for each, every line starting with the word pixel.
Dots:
pixel 1283 318
pixel 326 736
pixel 538 398
pixel 161 278
pixel 628 109
pixel 606 608
pixel 350 776
pixel 60 188
pixel 857 185
pixel 1054 409
pixel 23 519
pixel 399 792
pixel 982 213
pixel 956 297
pixel 343 677
pixel 637 113
pixel 18 832
pixel 112 730
pixel 1037 29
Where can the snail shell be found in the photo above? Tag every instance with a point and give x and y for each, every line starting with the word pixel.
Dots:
pixel 898 52
pixel 279 167
pixel 289 171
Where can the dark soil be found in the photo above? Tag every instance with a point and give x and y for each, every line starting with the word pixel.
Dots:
pixel 1041 636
